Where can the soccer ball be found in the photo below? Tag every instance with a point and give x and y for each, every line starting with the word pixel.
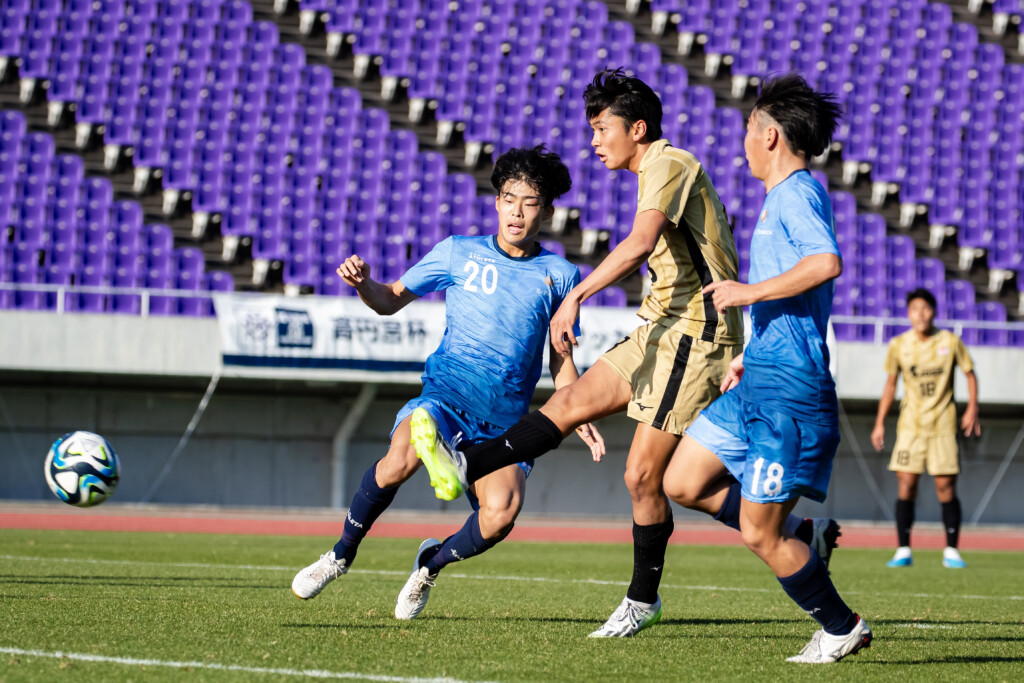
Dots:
pixel 82 469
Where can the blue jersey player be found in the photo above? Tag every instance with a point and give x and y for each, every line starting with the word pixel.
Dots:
pixel 776 429
pixel 501 291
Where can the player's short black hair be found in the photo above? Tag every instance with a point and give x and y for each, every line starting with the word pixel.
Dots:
pixel 808 118
pixel 536 166
pixel 921 293
pixel 627 97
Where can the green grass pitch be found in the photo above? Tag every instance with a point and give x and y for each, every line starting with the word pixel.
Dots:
pixel 219 608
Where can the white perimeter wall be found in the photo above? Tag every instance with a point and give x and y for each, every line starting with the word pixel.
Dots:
pixel 270 437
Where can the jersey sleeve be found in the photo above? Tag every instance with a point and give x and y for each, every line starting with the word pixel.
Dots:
pixel 808 222
pixel 666 186
pixel 963 358
pixel 433 272
pixel 892 358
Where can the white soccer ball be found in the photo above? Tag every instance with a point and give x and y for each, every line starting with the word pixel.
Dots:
pixel 82 469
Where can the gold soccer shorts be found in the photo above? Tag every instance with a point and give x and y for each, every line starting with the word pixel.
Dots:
pixel 913 452
pixel 673 376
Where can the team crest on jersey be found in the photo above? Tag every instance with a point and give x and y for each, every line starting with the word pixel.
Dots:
pixel 943 350
pixel 764 215
pixel 548 281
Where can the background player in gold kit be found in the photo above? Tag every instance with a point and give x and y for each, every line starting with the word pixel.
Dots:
pixel 926 431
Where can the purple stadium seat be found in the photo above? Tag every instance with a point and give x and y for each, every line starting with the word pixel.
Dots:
pixel 162 279
pixel 27 274
pixel 992 312
pixel 613 296
pixel 92 302
pixel 931 275
pixel 128 277
pixel 57 275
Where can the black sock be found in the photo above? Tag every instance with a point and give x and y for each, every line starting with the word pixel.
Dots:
pixel 649 543
pixel 951 520
pixel 904 520
pixel 531 437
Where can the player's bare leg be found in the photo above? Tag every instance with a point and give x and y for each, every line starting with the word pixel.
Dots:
pixel 762 526
pixel 696 478
pixel 400 462
pixel 500 495
pixel 598 392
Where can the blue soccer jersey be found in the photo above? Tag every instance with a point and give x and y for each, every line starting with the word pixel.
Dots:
pixel 786 363
pixel 498 310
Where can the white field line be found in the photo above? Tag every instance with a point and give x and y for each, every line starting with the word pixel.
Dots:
pixel 304 673
pixel 477 577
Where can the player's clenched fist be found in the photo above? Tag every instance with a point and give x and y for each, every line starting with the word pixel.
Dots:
pixel 353 271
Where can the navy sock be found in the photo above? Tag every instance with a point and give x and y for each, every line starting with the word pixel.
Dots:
pixel 951 521
pixel 729 513
pixel 649 543
pixel 812 589
pixel 904 521
pixel 531 437
pixel 367 505
pixel 462 545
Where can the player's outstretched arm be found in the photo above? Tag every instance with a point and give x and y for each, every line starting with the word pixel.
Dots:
pixel 970 422
pixel 623 260
pixel 884 403
pixel 564 372
pixel 384 299
pixel 808 273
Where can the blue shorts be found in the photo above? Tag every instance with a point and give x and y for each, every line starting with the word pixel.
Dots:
pixel 451 421
pixel 774 456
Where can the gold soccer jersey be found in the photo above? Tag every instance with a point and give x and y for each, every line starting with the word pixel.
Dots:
pixel 697 250
pixel 927 366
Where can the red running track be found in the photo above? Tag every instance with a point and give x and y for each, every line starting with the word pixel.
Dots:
pixel 185 521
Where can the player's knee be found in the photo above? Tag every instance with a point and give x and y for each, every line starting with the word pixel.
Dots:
pixel 496 521
pixel 397 466
pixel 641 482
pixel 680 491
pixel 755 538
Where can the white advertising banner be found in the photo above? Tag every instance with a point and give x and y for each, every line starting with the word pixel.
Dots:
pixel 341 333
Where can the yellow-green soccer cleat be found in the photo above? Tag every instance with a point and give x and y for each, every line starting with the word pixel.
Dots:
pixel 445 465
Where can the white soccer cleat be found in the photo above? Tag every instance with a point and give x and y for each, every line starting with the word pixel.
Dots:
pixel 630 618
pixel 310 581
pixel 416 591
pixel 903 558
pixel 827 649
pixel 951 559
pixel 445 465
pixel 825 537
